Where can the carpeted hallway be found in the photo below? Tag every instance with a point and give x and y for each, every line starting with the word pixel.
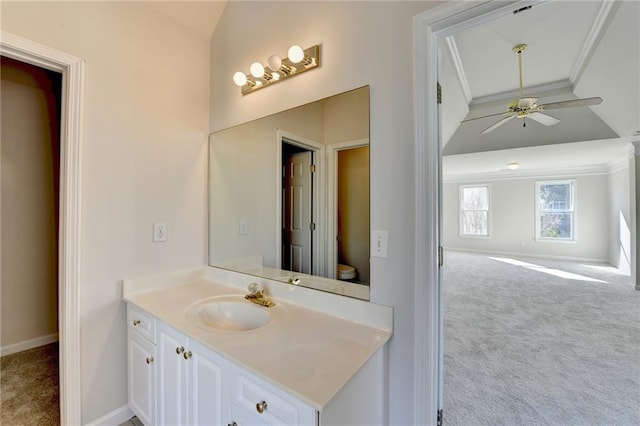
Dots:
pixel 528 344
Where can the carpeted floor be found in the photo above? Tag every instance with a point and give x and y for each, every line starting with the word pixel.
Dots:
pixel 527 344
pixel 29 387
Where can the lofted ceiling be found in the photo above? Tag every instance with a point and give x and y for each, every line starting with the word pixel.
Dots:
pixel 575 49
pixel 200 17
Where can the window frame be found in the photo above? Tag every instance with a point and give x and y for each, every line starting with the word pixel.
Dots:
pixel 461 210
pixel 573 210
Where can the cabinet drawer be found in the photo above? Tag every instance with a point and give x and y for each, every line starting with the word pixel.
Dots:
pixel 254 395
pixel 142 322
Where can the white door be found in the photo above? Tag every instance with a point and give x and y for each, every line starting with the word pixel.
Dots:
pixel 172 380
pixel 142 377
pixel 206 392
pixel 297 221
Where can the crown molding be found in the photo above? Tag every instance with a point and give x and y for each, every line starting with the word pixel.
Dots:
pixel 597 29
pixel 457 64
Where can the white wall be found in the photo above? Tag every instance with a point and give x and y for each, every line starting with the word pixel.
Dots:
pixel 513 220
pixel 362 43
pixel 144 160
pixel 619 203
pixel 29 294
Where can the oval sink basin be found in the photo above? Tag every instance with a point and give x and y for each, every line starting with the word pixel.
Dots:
pixel 228 314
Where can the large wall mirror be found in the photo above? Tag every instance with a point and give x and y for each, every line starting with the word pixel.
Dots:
pixel 289 196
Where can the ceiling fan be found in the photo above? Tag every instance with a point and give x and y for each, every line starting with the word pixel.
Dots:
pixel 528 107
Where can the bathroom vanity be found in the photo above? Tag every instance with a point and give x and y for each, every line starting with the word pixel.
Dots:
pixel 200 353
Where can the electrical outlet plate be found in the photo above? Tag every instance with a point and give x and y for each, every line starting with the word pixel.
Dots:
pixel 159 232
pixel 379 243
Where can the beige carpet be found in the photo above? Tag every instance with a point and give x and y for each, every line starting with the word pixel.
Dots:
pixel 29 387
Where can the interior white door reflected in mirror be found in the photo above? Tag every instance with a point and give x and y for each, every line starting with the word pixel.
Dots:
pixel 289 195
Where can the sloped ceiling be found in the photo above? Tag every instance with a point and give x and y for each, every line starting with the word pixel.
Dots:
pixel 575 49
pixel 200 17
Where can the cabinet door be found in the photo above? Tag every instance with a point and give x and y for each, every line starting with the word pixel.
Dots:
pixel 142 377
pixel 172 377
pixel 205 387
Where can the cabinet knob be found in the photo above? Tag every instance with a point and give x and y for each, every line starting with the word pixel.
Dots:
pixel 179 350
pixel 187 355
pixel 261 407
pixel 136 322
pixel 150 360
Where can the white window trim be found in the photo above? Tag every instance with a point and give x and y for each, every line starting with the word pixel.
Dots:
pixel 574 211
pixel 461 188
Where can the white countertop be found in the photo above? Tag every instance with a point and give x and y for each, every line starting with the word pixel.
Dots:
pixel 307 353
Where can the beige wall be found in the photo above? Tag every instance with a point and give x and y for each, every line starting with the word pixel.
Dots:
pixel 145 107
pixel 353 210
pixel 28 245
pixel 363 43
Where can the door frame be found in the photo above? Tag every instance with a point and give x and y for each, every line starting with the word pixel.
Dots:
pixel 429 27
pixel 318 243
pixel 332 200
pixel 70 237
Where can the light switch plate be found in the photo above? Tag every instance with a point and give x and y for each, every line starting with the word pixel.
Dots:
pixel 379 243
pixel 244 227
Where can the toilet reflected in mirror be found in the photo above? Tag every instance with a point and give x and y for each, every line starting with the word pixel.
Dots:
pixel 289 193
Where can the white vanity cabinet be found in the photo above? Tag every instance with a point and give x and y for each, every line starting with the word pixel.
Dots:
pixel 189 379
pixel 141 364
pixel 183 374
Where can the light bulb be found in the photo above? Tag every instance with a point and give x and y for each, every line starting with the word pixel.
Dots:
pixel 257 70
pixel 240 79
pixel 296 54
pixel 274 62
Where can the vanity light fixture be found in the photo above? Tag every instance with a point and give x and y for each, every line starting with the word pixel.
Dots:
pixel 297 62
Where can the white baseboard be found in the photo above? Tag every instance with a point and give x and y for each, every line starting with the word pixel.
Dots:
pixel 114 418
pixel 535 255
pixel 28 344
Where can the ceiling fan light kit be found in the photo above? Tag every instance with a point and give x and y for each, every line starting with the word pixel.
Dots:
pixel 528 107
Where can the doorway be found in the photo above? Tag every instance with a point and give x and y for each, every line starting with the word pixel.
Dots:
pixel 297 206
pixel 429 28
pixel 348 225
pixel 30 155
pixel 299 240
pixel 70 233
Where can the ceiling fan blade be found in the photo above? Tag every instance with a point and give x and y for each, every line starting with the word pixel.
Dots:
pixel 545 119
pixel 485 116
pixel 576 102
pixel 498 124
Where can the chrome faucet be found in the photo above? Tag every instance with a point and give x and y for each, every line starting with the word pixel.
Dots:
pixel 256 295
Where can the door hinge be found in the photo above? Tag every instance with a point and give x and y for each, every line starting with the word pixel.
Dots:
pixel 439 419
pixel 439 93
pixel 312 168
pixel 312 226
pixel 440 256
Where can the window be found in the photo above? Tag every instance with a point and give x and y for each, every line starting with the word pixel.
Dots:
pixel 474 210
pixel 555 213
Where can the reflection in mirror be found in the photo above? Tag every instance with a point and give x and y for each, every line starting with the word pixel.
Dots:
pixel 289 196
